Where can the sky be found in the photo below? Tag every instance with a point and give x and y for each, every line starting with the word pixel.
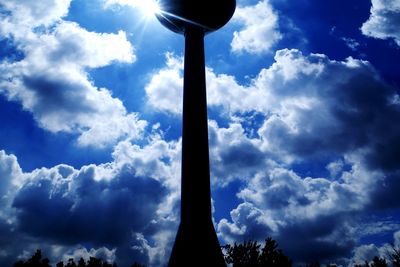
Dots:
pixel 304 111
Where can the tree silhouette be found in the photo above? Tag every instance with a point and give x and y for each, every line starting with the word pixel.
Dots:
pixel 242 255
pixel 395 256
pixel 378 262
pixel 246 254
pixel 272 256
pixel 35 261
pixel 249 254
pixel 93 262
pixel 81 263
pixel 71 263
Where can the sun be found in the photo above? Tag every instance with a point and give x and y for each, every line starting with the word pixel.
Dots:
pixel 148 7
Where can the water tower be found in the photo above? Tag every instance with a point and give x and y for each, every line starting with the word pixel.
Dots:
pixel 196 242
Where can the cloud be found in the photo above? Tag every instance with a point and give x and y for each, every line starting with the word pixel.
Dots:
pixel 82 252
pixel 30 14
pixel 126 209
pixel 308 112
pixel 248 223
pixel 384 20
pixel 233 154
pixel 10 172
pixel 64 99
pixel 300 212
pixel 310 115
pixel 165 89
pixel 365 253
pixel 131 3
pixel 11 178
pixel 260 28
pixel 79 206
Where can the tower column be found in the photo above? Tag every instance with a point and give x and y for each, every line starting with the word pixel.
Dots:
pixel 196 243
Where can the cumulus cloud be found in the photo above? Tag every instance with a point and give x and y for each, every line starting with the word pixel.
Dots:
pixel 103 253
pixel 165 89
pixel 307 114
pixel 310 115
pixel 64 99
pixel 300 210
pixel 308 111
pixel 384 20
pixel 260 28
pixel 34 13
pixel 365 253
pixel 233 154
pixel 125 209
pixel 79 206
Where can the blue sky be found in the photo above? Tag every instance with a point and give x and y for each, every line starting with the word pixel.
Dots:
pixel 304 108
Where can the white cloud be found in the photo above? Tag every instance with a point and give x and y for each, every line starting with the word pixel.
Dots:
pixel 260 29
pixel 10 172
pixel 384 21
pixel 78 252
pixel 11 177
pixel 63 98
pixel 29 14
pixel 165 89
pixel 248 222
pixel 71 44
pixel 308 111
pixel 131 3
pixel 365 253
pixel 397 238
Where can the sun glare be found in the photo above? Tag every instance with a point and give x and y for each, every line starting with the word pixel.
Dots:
pixel 148 7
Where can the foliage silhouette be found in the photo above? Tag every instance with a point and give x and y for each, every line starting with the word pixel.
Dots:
pixel 92 262
pixel 249 254
pixel 376 262
pixel 395 257
pixel 246 254
pixel 35 261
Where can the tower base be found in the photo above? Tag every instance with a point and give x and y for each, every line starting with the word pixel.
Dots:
pixel 196 245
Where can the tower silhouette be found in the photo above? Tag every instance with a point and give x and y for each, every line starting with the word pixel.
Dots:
pixel 196 243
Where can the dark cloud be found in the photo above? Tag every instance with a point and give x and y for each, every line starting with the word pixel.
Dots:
pixel 55 93
pixel 79 209
pixel 321 239
pixel 386 193
pixel 354 112
pixel 233 155
pixel 125 210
